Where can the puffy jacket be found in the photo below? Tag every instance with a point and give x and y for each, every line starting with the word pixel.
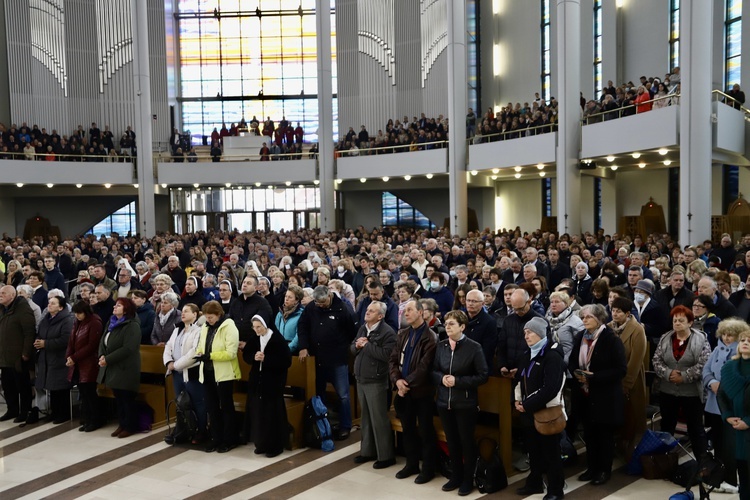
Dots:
pixel 540 380
pixel 288 328
pixel 51 372
pixel 83 348
pixel 123 357
pixel 223 350
pixel 189 338
pixel 371 362
pixel 468 365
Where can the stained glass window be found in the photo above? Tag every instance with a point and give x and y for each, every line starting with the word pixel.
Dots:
pixel 733 48
pixel 546 77
pixel 399 213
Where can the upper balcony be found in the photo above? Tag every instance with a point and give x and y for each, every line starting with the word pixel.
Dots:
pixel 529 146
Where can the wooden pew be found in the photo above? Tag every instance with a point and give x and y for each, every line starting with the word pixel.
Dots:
pixel 494 399
pixel 300 381
pixel 154 390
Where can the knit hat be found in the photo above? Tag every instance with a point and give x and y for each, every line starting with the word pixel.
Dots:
pixel 538 325
pixel 646 286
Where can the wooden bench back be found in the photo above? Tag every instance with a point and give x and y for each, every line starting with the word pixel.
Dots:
pixel 302 374
pixel 152 359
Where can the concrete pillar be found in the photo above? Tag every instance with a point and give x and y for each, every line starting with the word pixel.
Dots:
pixel 457 108
pixel 143 124
pixel 569 134
pixel 325 115
pixel 696 20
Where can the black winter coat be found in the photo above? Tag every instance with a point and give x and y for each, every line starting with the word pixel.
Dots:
pixel 268 378
pixel 544 379
pixel 242 310
pixel 511 342
pixel 604 404
pixel 326 333
pixel 482 329
pixel 467 364
pixel 51 372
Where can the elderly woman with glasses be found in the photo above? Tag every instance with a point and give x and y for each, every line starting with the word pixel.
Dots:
pixel 598 365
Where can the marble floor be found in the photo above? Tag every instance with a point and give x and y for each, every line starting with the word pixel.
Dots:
pixel 57 461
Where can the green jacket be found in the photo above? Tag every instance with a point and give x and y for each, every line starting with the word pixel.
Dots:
pixel 122 353
pixel 223 351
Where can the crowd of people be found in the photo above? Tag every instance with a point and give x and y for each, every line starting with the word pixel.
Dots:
pixel 575 322
pixel 513 121
pixel 400 136
pixel 96 145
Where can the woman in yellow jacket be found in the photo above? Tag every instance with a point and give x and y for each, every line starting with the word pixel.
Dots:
pixel 217 351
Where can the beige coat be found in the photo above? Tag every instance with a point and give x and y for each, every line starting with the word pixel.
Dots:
pixel 633 338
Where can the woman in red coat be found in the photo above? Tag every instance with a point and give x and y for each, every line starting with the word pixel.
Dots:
pixel 83 363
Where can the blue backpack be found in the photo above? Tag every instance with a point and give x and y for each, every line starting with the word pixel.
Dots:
pixel 317 428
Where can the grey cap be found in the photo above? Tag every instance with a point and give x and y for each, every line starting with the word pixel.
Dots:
pixel 646 286
pixel 537 325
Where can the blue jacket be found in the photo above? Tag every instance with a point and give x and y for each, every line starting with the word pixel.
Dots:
pixel 443 297
pixel 712 372
pixel 288 328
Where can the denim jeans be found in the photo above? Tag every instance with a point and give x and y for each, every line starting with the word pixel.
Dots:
pixel 338 376
pixel 197 396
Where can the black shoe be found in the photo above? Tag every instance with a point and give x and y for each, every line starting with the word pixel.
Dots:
pixel 8 416
pixel 550 496
pixel 601 478
pixel 384 464
pixel 211 447
pixel 451 485
pixel 361 459
pixel 259 451
pixel 342 434
pixel 586 476
pixel 530 490
pixel 406 472
pixel 169 439
pixel 424 477
pixel 226 448
pixel 92 427
pixel 465 489
pixel 274 453
pixel 82 428
pixel 33 416
pixel 21 418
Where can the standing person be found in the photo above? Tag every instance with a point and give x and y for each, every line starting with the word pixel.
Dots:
pixel 734 402
pixel 721 433
pixel 120 364
pixel 633 338
pixel 179 358
pixel 325 330
pixel 371 349
pixel 217 352
pixel 288 317
pixel 597 362
pixel 18 328
pixel 459 368
pixel 50 344
pixel 410 368
pixel 541 379
pixel 269 356
pixel 679 359
pixel 82 363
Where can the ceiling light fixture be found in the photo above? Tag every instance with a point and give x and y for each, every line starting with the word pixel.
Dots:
pixel 495 170
pixel 19 184
pixel 108 185
pixel 610 159
pixel 517 169
pixel 641 165
pixel 517 176
pixel 663 151
pixel 407 177
pixel 636 155
pixel 540 166
pixel 429 176
pixel 614 167
pixel 50 185
pixel 667 162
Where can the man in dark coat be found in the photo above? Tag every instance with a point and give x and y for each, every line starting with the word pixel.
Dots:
pixel 722 307
pixel 482 327
pixel 53 277
pixel 511 342
pixel 17 331
pixel 675 294
pixel 325 331
pixel 247 305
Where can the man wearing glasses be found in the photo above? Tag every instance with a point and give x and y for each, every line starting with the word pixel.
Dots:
pixel 325 330
pixel 482 327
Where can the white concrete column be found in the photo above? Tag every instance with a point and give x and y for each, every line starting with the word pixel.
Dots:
pixel 143 124
pixel 696 23
pixel 569 134
pixel 325 115
pixel 457 108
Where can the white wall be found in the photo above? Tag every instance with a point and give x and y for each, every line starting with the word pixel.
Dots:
pixel 635 188
pixel 518 203
pixel 645 39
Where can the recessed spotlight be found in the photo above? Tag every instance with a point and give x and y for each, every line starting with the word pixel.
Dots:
pixel 228 184
pixel 179 188
pixel 517 176
pixel 50 185
pixel 429 176
pixel 474 172
pixel 108 185
pixel 339 181
pixel 164 186
pixel 316 182
pixel 288 183
pixel 610 159
pixel 209 188
pixel 136 185
pixel 362 180
pixel 636 155
pixel 300 186
pixel 614 167
pixel 407 177
pixel 79 185
pixel 517 169
pixel 493 177
pixel 667 162
pixel 495 170
pixel 641 165
pixel 19 184
pixel 257 184
pixel 386 178
pixel 196 185
pixel 540 166
pixel 542 174
pixel 663 151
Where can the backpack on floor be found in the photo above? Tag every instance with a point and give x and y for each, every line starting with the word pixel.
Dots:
pixel 317 429
pixel 186 421
pixel 489 473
